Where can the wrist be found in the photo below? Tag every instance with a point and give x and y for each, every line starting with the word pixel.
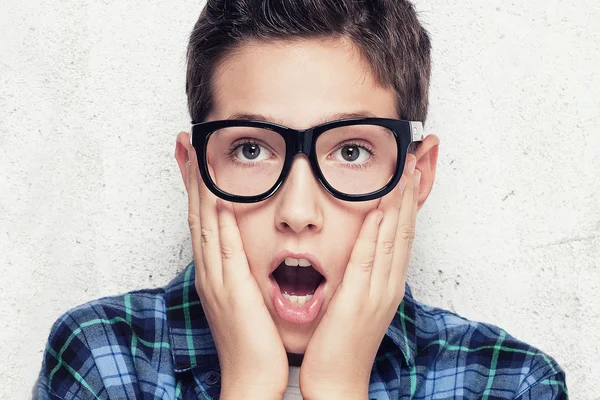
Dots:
pixel 249 390
pixel 332 394
pixel 337 397
pixel 248 393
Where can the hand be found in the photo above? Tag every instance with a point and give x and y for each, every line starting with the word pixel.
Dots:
pixel 338 360
pixel 252 357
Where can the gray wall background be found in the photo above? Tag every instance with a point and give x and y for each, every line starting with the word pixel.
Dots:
pixel 92 203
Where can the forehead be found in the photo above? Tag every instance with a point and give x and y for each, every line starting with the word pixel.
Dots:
pixel 298 83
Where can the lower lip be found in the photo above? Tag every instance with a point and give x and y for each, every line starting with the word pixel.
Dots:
pixel 296 314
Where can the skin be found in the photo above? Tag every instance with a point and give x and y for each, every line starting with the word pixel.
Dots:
pixel 301 83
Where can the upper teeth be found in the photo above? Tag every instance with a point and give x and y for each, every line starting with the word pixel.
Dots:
pixel 297 262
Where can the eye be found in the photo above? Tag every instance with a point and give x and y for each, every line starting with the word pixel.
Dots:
pixel 251 152
pixel 352 153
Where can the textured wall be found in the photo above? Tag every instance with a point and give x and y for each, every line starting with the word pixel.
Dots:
pixel 92 203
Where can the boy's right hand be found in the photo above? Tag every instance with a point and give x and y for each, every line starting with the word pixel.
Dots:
pixel 252 357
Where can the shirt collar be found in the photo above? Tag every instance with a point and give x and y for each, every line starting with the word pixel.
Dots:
pixel 402 332
pixel 192 343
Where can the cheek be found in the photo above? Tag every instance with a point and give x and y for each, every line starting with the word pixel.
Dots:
pixel 246 218
pixel 342 229
pixel 256 233
pixel 351 216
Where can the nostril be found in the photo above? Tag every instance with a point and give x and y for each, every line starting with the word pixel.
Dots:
pixel 284 225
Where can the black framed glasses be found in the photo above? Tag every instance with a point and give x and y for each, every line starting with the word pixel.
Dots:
pixel 246 161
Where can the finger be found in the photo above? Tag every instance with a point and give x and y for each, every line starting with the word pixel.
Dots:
pixel 390 206
pixel 405 234
pixel 414 221
pixel 357 277
pixel 209 232
pixel 234 260
pixel 194 216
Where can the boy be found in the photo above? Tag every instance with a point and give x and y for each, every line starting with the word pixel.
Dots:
pixel 305 167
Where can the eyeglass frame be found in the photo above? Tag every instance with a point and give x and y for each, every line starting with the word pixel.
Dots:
pixel 303 141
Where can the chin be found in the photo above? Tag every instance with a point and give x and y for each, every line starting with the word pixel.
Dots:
pixel 294 342
pixel 295 337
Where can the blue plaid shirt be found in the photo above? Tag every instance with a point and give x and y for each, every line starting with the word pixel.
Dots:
pixel 156 344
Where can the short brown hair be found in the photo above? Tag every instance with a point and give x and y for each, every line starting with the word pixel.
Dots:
pixel 386 32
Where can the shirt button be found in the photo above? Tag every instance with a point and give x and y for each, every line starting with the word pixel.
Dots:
pixel 212 377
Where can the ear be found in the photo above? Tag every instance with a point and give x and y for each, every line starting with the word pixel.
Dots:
pixel 183 149
pixel 427 156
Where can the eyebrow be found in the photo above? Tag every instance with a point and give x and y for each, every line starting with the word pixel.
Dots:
pixel 273 120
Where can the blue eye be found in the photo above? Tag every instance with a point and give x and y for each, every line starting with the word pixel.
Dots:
pixel 352 153
pixel 251 152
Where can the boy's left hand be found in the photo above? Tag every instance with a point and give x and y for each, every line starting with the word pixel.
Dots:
pixel 338 360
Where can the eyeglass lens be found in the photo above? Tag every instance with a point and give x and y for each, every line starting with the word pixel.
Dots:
pixel 354 159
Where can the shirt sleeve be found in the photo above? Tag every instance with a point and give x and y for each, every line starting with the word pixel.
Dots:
pixel 552 387
pixel 41 392
pixel 68 369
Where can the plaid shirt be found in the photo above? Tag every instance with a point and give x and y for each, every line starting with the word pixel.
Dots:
pixel 156 344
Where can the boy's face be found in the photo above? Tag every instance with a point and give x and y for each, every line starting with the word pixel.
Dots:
pixel 300 84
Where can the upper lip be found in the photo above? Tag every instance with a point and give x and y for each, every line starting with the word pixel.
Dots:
pixel 280 256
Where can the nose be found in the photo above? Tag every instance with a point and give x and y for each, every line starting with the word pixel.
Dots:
pixel 299 209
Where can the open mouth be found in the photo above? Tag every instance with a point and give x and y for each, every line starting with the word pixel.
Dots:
pixel 297 280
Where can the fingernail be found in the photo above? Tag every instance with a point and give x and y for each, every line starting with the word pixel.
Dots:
pixel 417 178
pixel 411 165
